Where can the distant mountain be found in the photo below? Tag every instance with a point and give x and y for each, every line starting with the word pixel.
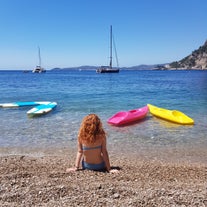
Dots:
pixel 84 67
pixel 138 67
pixel 196 60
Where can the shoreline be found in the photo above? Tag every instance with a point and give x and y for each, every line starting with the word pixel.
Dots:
pixel 31 180
pixel 169 154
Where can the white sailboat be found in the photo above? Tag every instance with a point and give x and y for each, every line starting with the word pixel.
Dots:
pixel 39 68
pixel 109 69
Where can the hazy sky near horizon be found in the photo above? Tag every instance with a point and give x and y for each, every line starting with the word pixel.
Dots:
pixel 72 33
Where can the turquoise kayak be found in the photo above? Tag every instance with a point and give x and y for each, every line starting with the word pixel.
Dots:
pixel 22 104
pixel 42 109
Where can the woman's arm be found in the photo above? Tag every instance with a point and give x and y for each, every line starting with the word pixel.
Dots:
pixel 78 159
pixel 78 156
pixel 106 156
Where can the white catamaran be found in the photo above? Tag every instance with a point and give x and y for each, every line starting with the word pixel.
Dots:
pixel 39 68
pixel 109 69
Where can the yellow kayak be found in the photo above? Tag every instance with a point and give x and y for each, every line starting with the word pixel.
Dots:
pixel 170 115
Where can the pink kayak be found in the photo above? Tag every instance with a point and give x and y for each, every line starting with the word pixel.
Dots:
pixel 126 117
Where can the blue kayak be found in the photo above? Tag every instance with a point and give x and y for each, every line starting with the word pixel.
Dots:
pixel 21 104
pixel 42 109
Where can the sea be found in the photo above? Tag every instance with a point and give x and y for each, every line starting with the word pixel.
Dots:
pixel 81 92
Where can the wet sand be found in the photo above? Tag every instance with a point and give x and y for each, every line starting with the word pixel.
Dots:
pixel 28 180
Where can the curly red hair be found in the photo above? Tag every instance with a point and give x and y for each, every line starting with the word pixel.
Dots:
pixel 91 129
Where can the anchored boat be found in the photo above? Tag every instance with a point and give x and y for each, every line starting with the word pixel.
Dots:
pixel 39 68
pixel 109 69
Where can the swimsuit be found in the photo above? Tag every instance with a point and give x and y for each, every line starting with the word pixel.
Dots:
pixel 91 148
pixel 98 167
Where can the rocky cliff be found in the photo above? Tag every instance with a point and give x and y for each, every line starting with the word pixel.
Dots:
pixel 196 60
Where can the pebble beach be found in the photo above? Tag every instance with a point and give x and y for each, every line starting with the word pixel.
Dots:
pixel 27 180
pixel 160 163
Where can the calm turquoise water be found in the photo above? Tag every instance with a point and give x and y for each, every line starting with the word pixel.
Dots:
pixel 79 93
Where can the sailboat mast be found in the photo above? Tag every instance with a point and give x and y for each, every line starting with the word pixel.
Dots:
pixel 110 65
pixel 39 56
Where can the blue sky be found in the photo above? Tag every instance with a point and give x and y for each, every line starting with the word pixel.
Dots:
pixel 72 33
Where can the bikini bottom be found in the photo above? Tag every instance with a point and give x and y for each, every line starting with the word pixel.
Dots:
pixel 97 167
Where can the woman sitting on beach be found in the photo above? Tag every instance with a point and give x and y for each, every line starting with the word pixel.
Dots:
pixel 92 150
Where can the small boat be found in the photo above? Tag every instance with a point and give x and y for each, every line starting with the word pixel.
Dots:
pixel 127 117
pixel 109 69
pixel 39 68
pixel 22 104
pixel 41 109
pixel 170 115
